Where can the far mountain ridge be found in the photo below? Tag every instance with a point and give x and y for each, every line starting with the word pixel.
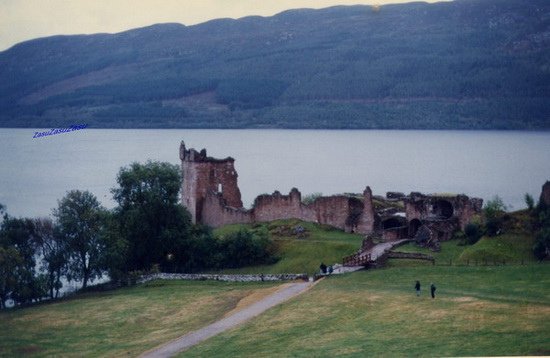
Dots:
pixel 466 64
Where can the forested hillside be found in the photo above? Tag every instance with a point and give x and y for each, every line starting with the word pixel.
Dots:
pixel 466 64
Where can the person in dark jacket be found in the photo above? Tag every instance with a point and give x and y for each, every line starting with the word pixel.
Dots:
pixel 432 290
pixel 323 268
pixel 417 288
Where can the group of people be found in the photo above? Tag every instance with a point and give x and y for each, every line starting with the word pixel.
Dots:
pixel 325 269
pixel 432 289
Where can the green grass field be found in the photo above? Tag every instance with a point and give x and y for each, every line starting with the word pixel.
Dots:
pixel 125 322
pixel 478 311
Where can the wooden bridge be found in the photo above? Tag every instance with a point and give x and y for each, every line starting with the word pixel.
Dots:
pixel 372 256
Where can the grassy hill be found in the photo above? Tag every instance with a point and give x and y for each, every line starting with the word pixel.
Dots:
pixel 299 253
pixel 469 64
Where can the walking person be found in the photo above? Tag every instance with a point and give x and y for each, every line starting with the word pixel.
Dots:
pixel 432 290
pixel 417 288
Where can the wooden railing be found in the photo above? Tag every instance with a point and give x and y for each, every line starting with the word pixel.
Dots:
pixel 357 259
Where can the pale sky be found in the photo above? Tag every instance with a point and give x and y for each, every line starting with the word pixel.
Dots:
pixel 22 20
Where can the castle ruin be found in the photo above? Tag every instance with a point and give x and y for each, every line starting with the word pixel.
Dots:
pixel 211 194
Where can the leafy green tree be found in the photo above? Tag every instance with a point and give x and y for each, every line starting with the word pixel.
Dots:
pixel 494 211
pixel 81 220
pixel 52 248
pixel 198 251
pixel 245 248
pixel 17 234
pixel 150 220
pixel 11 263
pixel 116 252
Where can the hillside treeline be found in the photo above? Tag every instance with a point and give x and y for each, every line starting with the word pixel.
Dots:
pixel 465 64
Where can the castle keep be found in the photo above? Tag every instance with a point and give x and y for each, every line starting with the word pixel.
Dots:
pixel 211 194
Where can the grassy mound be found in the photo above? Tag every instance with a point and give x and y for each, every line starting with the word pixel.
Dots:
pixel 300 246
pixel 502 248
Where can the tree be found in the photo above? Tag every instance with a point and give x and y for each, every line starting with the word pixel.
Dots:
pixel 151 221
pixel 81 220
pixel 245 248
pixel 494 210
pixel 16 237
pixel 10 265
pixel 529 201
pixel 52 248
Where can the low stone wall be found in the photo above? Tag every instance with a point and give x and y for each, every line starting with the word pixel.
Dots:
pixel 227 278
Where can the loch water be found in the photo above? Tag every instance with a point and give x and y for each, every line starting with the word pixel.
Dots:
pixel 36 172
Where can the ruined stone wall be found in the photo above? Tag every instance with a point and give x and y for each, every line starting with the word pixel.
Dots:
pixel 333 211
pixel 203 175
pixel 211 194
pixel 394 234
pixel 343 212
pixel 426 207
pixel 466 208
pixel 415 207
pixel 277 206
pixel 368 219
pixel 215 213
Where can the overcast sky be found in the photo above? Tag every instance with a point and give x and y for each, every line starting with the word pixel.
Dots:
pixel 22 20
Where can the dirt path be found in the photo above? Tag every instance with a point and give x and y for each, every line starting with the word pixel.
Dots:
pixel 243 315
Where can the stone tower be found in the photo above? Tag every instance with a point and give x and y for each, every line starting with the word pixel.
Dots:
pixel 203 175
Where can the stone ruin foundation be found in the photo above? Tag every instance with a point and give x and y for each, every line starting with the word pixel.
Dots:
pixel 211 194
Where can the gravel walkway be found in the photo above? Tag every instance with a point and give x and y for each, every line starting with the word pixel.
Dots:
pixel 192 338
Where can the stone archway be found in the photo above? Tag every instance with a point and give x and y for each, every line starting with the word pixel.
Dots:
pixel 393 222
pixel 443 209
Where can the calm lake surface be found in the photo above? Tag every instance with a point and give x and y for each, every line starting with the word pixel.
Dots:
pixel 36 172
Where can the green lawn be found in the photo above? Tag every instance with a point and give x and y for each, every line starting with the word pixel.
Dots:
pixel 479 310
pixel 502 310
pixel 124 322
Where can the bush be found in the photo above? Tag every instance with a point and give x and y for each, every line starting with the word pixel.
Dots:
pixel 245 248
pixel 541 249
pixel 473 232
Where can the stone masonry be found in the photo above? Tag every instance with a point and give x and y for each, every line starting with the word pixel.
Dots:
pixel 211 194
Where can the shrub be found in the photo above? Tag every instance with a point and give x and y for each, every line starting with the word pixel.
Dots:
pixel 245 248
pixel 541 249
pixel 473 232
pixel 494 211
